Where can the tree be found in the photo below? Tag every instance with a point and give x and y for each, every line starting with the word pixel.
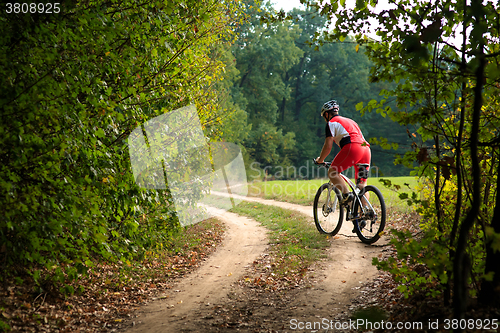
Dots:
pixel 264 54
pixel 322 70
pixel 74 86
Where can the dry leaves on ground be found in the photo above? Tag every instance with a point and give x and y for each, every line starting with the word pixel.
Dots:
pixel 111 292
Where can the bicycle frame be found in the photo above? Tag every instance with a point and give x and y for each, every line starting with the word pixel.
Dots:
pixel 355 190
pixel 328 198
pixel 368 222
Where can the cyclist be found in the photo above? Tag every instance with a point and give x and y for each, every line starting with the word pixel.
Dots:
pixel 354 149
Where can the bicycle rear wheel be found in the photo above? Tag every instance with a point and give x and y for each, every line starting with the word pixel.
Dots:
pixel 328 213
pixel 371 222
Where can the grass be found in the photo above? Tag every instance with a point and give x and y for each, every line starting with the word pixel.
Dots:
pixel 302 192
pixel 295 244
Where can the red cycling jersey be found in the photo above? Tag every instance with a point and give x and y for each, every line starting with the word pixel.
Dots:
pixel 354 148
pixel 344 131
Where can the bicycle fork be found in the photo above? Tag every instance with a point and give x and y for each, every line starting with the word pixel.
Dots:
pixel 331 204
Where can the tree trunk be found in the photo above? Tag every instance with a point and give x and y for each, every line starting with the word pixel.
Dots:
pixel 458 204
pixel 490 290
pixel 282 109
pixel 460 261
pixel 437 185
pixel 298 83
pixel 244 77
pixel 458 164
pixel 437 188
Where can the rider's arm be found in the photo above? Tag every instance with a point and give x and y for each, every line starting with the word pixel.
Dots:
pixel 327 147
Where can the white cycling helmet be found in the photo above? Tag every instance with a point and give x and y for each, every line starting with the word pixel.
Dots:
pixel 330 106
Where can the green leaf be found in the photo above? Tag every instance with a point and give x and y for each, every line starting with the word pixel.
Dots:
pixel 100 133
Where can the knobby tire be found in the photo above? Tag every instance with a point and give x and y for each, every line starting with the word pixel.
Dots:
pixel 371 232
pixel 332 222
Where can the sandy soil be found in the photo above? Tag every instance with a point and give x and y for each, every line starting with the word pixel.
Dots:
pixel 207 298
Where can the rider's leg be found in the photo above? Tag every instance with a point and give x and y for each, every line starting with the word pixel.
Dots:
pixel 335 179
pixel 361 173
pixel 361 183
pixel 341 162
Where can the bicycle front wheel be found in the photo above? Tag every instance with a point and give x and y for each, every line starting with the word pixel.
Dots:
pixel 371 215
pixel 328 213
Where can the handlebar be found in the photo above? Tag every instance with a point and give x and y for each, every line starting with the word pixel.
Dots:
pixel 324 164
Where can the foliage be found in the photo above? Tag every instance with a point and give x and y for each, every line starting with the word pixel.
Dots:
pixel 74 86
pixel 284 76
pixel 446 93
pixel 270 146
pixel 413 258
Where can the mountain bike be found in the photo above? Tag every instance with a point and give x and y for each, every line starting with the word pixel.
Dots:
pixel 366 209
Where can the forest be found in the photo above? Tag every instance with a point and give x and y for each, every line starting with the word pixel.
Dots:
pixel 283 74
pixel 77 83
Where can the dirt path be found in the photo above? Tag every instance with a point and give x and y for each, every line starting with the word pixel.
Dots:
pixel 245 240
pixel 192 304
pixel 338 280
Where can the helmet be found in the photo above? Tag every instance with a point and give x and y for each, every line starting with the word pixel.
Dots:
pixel 329 106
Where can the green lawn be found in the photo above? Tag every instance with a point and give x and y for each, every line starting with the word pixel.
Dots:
pixel 303 191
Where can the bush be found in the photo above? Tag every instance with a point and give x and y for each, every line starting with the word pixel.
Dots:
pixel 74 86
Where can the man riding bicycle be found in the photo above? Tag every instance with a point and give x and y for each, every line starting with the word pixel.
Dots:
pixel 354 149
